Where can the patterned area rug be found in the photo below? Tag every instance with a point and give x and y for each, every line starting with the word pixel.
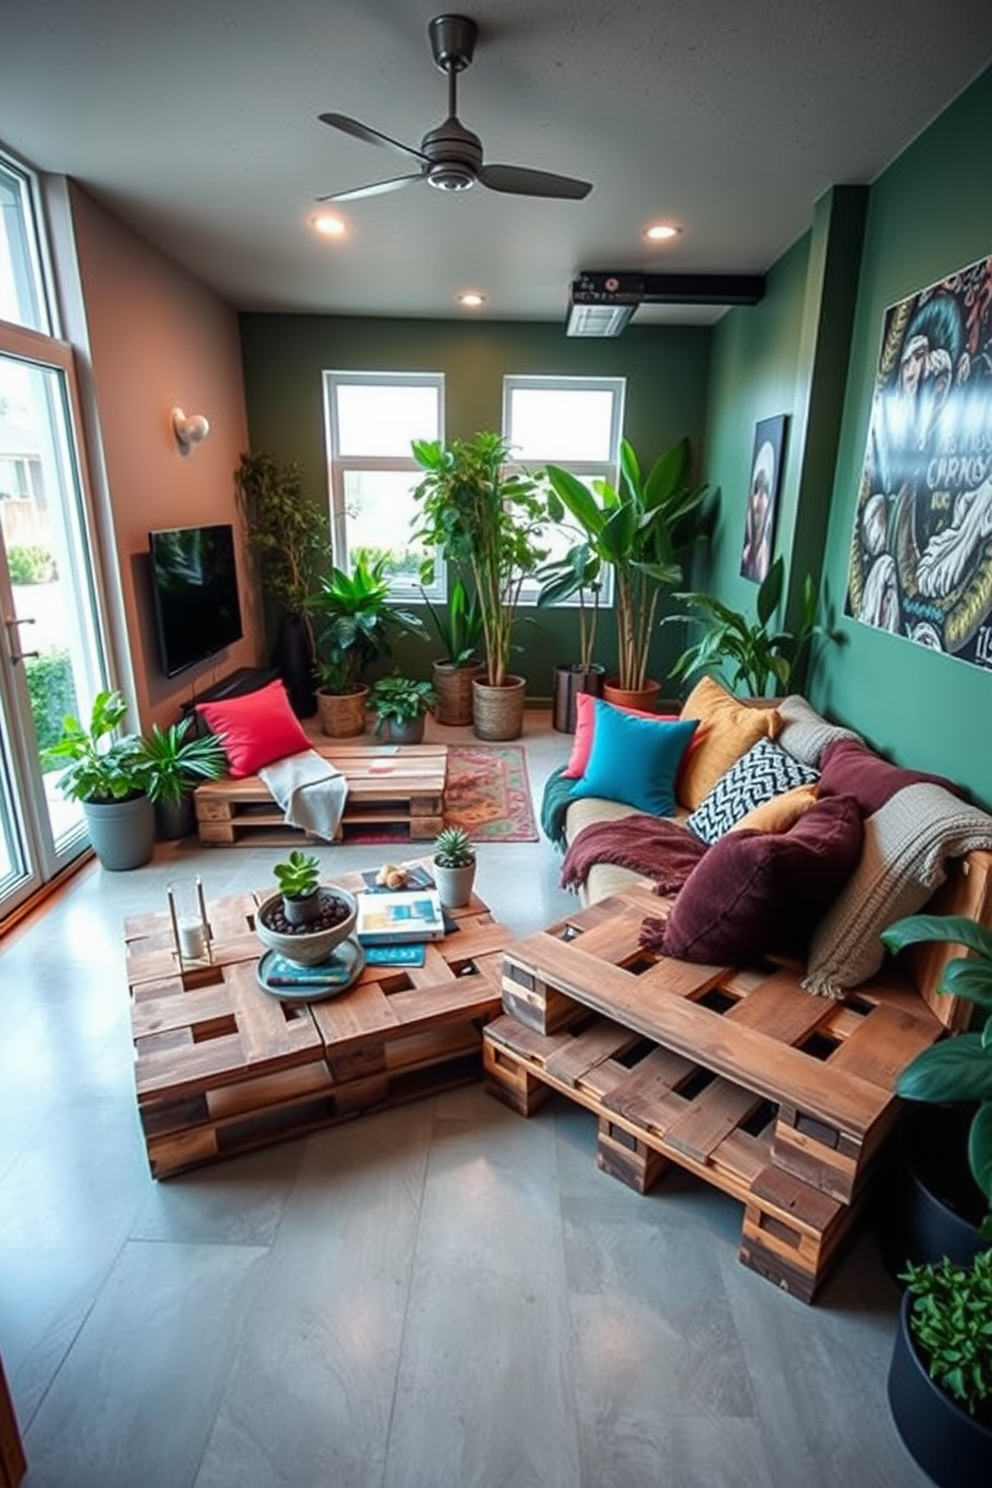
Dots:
pixel 488 793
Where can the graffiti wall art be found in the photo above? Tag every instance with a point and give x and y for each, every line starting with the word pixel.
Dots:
pixel 921 550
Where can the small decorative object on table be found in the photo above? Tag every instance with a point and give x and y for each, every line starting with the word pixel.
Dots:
pixel 330 915
pixel 191 934
pixel 454 867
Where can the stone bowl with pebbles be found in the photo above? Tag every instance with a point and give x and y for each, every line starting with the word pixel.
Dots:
pixel 312 943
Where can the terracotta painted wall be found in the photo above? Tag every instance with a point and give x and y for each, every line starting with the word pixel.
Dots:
pixel 158 338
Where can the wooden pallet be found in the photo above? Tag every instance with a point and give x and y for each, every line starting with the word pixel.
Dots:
pixel 395 789
pixel 655 1107
pixel 222 1067
pixel 828 1068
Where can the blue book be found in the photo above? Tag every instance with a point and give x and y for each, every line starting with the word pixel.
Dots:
pixel 395 955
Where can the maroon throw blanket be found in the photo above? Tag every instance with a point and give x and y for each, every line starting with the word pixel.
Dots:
pixel 659 849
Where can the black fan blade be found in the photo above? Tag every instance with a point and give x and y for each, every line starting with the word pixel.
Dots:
pixel 379 188
pixel 370 136
pixel 516 180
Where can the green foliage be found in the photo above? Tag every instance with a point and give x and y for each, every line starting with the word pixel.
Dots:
pixel 285 528
pixel 100 768
pixel 175 763
pixel 643 529
pixel 299 876
pixel 957 1069
pixel 459 626
pixel 578 572
pixel 398 699
pixel 30 563
pixel 453 848
pixel 52 692
pixel 485 516
pixel 355 624
pixel 760 658
pixel 952 1321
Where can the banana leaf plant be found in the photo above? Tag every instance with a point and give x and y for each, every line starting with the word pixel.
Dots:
pixel 759 657
pixel 958 1069
pixel 643 528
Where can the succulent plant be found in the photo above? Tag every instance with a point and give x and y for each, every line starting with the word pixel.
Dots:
pixel 453 848
pixel 299 875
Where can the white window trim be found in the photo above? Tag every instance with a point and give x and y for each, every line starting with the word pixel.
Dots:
pixel 585 470
pixel 337 466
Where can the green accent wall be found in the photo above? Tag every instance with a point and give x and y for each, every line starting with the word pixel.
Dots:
pixel 928 215
pixel 666 367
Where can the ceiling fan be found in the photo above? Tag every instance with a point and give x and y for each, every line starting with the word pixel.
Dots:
pixel 450 156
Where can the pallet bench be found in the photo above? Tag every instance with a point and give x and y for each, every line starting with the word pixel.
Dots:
pixel 222 1067
pixel 396 789
pixel 777 1097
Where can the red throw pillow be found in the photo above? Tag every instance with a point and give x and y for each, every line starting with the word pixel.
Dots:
pixel 759 892
pixel 849 768
pixel 255 729
pixel 585 727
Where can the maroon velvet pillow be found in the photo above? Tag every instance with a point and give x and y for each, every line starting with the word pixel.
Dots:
pixel 848 768
pixel 759 892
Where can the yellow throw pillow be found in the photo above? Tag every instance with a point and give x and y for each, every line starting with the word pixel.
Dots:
pixel 732 727
pixel 780 813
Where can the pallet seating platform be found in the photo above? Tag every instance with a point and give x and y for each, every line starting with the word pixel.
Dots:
pixel 775 1096
pixel 395 789
pixel 222 1067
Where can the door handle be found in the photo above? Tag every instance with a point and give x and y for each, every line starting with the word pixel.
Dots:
pixel 12 622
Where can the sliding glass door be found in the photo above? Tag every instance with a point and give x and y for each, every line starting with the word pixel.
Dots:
pixel 51 656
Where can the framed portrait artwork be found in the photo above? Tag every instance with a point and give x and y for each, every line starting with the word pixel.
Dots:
pixel 762 498
pixel 921 548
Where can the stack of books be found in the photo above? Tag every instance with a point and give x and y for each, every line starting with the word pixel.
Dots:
pixel 399 917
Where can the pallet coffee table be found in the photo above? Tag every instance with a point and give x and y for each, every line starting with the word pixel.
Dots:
pixel 777 1097
pixel 397 788
pixel 221 1066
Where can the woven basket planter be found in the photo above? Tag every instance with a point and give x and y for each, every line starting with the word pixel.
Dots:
pixel 453 692
pixel 342 715
pixel 498 712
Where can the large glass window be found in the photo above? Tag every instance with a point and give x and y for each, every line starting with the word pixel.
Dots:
pixel 22 293
pixel 372 419
pixel 570 421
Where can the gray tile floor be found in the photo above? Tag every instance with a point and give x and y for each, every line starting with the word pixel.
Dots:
pixel 441 1296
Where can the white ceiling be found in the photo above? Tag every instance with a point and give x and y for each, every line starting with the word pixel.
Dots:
pixel 196 122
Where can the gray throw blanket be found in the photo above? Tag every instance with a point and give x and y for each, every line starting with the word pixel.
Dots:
pixel 310 790
pixel 661 850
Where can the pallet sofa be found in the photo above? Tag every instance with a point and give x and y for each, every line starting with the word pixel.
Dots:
pixel 768 1073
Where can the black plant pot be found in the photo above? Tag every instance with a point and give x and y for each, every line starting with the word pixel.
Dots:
pixel 952 1446
pixel 931 1205
pixel 569 680
pixel 294 658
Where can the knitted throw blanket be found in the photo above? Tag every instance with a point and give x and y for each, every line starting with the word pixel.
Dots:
pixel 907 843
pixel 660 849
pixel 554 805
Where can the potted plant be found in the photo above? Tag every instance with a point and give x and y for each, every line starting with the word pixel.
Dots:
pixel 108 776
pixel 763 660
pixel 173 765
pixel 643 528
pixel 481 514
pixel 400 705
pixel 454 867
pixel 288 533
pixel 578 572
pixel 304 920
pixel 355 624
pixel 942 1200
pixel 459 630
pixel 940 1378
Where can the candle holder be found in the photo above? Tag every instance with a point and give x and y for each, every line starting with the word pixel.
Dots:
pixel 192 938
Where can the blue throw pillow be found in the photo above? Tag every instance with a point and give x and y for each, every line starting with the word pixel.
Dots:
pixel 635 760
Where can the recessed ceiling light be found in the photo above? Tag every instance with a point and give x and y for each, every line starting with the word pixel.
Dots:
pixel 471 299
pixel 328 224
pixel 660 232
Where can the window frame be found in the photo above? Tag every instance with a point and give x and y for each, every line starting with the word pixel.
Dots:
pixel 585 470
pixel 338 466
pixel 31 249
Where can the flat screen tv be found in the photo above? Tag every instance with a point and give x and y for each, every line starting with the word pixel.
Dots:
pixel 195 589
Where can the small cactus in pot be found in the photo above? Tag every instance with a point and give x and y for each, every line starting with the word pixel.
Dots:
pixel 454 867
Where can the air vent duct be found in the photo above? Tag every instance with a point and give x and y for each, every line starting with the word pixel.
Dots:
pixel 601 304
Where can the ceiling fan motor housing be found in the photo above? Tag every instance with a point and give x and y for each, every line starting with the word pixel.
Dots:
pixel 455 154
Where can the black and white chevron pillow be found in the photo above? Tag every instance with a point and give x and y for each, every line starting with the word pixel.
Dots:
pixel 763 772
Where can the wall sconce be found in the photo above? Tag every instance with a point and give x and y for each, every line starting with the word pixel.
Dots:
pixel 189 430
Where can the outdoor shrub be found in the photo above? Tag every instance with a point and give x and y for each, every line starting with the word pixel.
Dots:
pixel 30 564
pixel 52 693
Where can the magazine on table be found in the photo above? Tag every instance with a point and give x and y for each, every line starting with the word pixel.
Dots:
pixel 399 916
